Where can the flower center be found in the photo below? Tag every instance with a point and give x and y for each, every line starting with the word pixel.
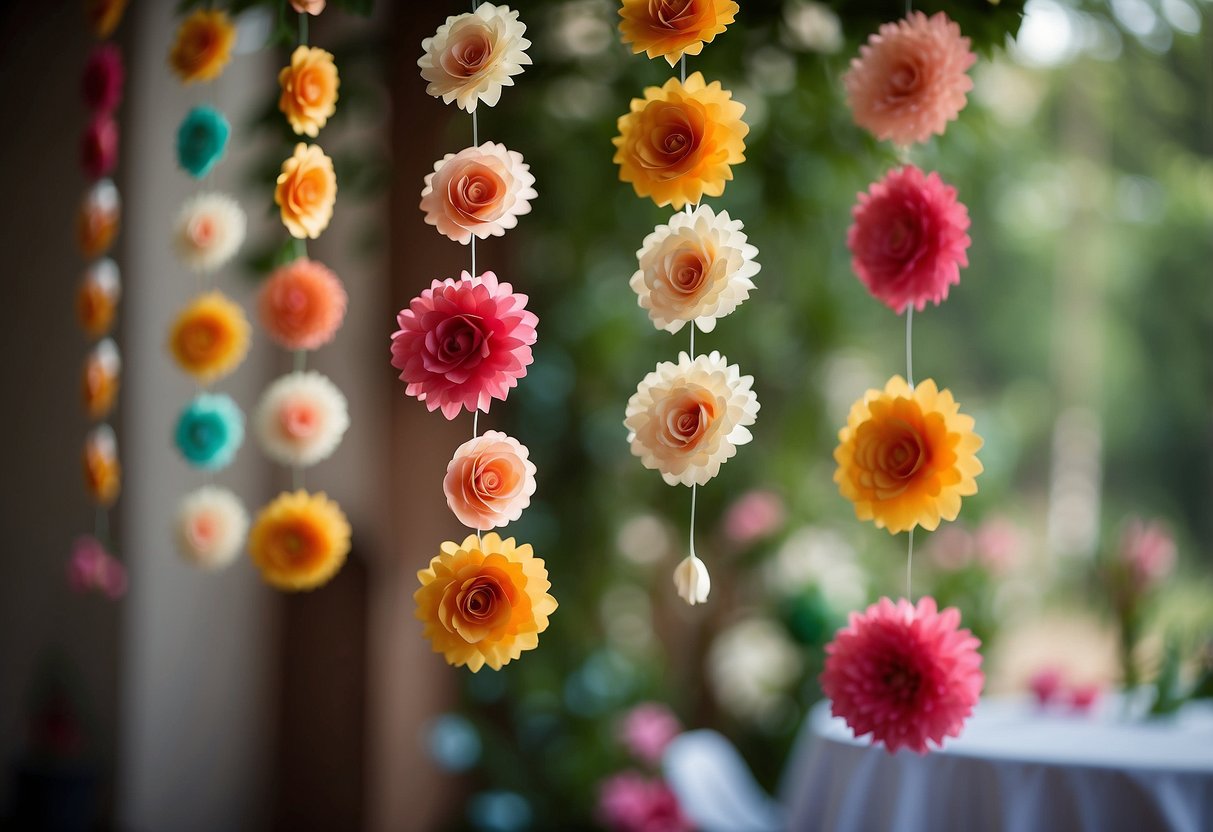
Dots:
pixel 672 14
pixel 468 55
pixel 202 232
pixel 903 453
pixel 901 681
pixel 688 269
pixel 204 435
pixel 904 79
pixel 458 343
pixel 201 339
pixel 298 419
pixel 203 530
pixel 903 239
pixel 477 192
pixel 687 419
pixel 310 86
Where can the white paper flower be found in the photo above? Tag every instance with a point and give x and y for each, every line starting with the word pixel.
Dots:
pixel 211 525
pixel 210 229
pixel 472 56
pixel 692 580
pixel 752 666
pixel 300 419
pixel 695 268
pixel 686 419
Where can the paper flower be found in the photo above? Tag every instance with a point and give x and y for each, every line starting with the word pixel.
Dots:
pixel 210 337
pixel 472 56
pixel 299 541
pixel 671 29
pixel 910 79
pixel 210 430
pixel 907 456
pixel 695 268
pixel 210 230
pixel 98 219
pixel 102 471
pixel 99 146
pixel 909 239
pixel 210 527
pixel 647 730
pixel 97 297
pixel 463 343
pixel 93 569
pixel 1148 550
pixel 312 7
pixel 479 191
pixel 905 674
pixel 631 802
pixel 309 89
pixel 484 603
pixel 201 140
pixel 692 581
pixel 99 385
pixel 489 481
pixel 302 305
pixel 203 46
pixel 686 419
pixel 678 143
pixel 306 191
pixel 103 77
pixel 753 516
pixel 301 419
pixel 104 16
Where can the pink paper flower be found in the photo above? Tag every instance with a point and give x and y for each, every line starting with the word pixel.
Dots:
pixel 478 191
pixel 905 674
pixel 463 343
pixel 998 543
pixel 1083 698
pixel 1148 550
pixel 630 802
pixel 104 74
pixel 647 729
pixel 950 548
pixel 753 516
pixel 909 239
pixel 489 481
pixel 910 79
pixel 1046 685
pixel 91 568
pixel 99 146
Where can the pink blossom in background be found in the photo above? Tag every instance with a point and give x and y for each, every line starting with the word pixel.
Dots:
pixel 647 729
pixel 630 802
pixel 1046 685
pixel 998 543
pixel 1149 551
pixel 909 239
pixel 91 568
pixel 104 75
pixel 950 548
pixel 1084 697
pixel 753 516
pixel 99 146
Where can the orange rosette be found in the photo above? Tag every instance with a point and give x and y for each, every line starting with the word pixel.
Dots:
pixel 210 337
pixel 102 472
pixel 309 89
pixel 97 298
pixel 306 191
pixel 299 541
pixel 203 46
pixel 671 29
pixel 302 304
pixel 98 219
pixel 99 381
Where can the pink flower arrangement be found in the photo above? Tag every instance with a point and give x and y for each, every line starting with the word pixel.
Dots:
pixel 463 343
pixel 910 79
pixel 489 481
pixel 630 802
pixel 104 75
pixel 909 239
pixel 1148 550
pixel 1049 687
pixel 478 191
pixel 905 674
pixel 91 568
pixel 755 515
pixel 99 146
pixel 647 729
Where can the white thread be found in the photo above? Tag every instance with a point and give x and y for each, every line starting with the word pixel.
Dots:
pixel 909 567
pixel 910 346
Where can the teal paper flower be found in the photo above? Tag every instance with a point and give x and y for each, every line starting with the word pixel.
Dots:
pixel 210 431
pixel 201 140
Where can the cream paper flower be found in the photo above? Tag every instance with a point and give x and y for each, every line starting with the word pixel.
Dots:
pixel 210 229
pixel 211 526
pixel 479 190
pixel 301 419
pixel 695 268
pixel 472 56
pixel 692 580
pixel 686 419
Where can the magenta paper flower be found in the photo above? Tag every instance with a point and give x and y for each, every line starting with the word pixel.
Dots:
pixel 91 568
pixel 463 343
pixel 630 802
pixel 647 729
pixel 479 191
pixel 99 146
pixel 909 239
pixel 906 675
pixel 104 74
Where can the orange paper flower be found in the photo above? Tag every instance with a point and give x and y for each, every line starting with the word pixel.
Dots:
pixel 102 472
pixel 678 143
pixel 484 602
pixel 203 46
pixel 210 337
pixel 306 191
pixel 104 16
pixel 907 456
pixel 97 298
pixel 299 541
pixel 309 89
pixel 99 384
pixel 302 304
pixel 673 28
pixel 98 219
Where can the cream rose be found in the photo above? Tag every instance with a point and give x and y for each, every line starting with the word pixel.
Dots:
pixel 489 481
pixel 472 56
pixel 478 191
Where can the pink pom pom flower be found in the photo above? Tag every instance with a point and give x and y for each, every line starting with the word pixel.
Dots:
pixel 463 343
pixel 91 568
pixel 104 75
pixel 99 146
pixel 909 239
pixel 647 729
pixel 904 674
pixel 631 802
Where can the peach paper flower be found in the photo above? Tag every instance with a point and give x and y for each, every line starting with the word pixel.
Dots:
pixel 301 419
pixel 306 191
pixel 210 230
pixel 97 297
pixel 211 526
pixel 472 56
pixel 910 79
pixel 489 481
pixel 210 337
pixel 478 191
pixel 678 143
pixel 102 472
pixel 302 304
pixel 673 28
pixel 695 268
pixel 99 385
pixel 308 6
pixel 309 89
pixel 203 46
pixel 98 219
pixel 299 541
pixel 907 456
pixel 687 419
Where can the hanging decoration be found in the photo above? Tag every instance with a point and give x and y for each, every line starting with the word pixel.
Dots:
pixel 463 343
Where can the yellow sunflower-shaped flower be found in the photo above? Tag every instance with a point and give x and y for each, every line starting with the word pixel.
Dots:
pixel 299 541
pixel 484 602
pixel 210 337
pixel 203 46
pixel 907 456
pixel 673 28
pixel 678 143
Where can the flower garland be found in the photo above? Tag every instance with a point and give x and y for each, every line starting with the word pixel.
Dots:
pixel 905 673
pixel 463 343
pixel 677 145
pixel 209 338
pixel 300 540
pixel 91 566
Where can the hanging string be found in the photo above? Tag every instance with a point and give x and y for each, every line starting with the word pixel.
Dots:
pixel 910 567
pixel 303 28
pixel 910 346
pixel 682 69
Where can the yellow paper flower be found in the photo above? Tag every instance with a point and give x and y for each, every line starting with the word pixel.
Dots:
pixel 99 382
pixel 484 602
pixel 210 337
pixel 309 89
pixel 907 456
pixel 102 471
pixel 203 46
pixel 299 541
pixel 306 191
pixel 677 144
pixel 673 28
